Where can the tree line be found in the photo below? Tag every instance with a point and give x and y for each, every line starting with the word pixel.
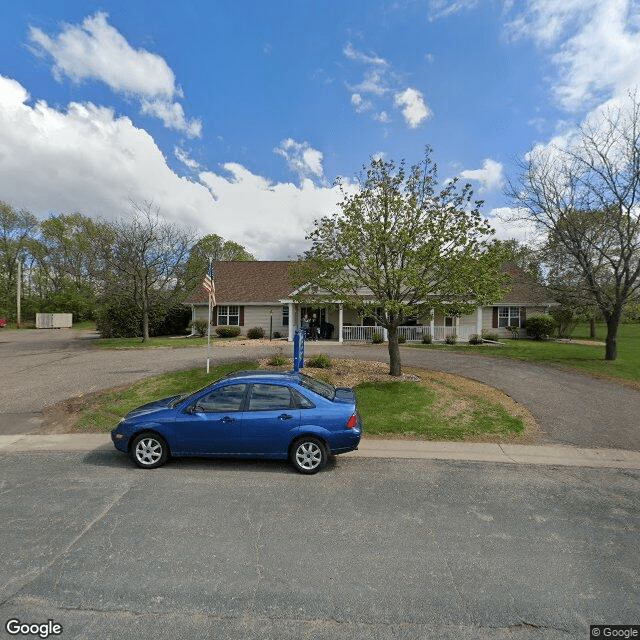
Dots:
pixel 130 275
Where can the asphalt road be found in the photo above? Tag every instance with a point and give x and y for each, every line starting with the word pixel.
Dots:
pixel 42 367
pixel 366 549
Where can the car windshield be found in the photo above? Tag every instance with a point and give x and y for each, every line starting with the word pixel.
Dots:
pixel 321 388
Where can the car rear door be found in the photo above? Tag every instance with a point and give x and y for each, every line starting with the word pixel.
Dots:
pixel 271 415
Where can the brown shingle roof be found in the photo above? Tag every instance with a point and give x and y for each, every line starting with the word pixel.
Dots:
pixel 246 282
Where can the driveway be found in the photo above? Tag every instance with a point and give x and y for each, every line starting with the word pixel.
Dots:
pixel 41 367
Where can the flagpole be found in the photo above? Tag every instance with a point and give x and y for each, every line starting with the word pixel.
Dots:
pixel 209 323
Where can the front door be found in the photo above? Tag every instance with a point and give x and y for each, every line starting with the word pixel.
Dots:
pixel 212 424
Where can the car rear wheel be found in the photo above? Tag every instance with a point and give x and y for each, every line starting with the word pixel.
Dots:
pixel 149 451
pixel 308 455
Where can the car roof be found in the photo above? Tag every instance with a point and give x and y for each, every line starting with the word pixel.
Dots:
pixel 263 374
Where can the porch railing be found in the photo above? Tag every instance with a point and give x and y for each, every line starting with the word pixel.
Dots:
pixel 411 334
pixel 359 334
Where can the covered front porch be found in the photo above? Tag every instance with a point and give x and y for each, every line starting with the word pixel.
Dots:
pixel 336 323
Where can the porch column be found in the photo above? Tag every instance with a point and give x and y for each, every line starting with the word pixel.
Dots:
pixel 432 324
pixel 479 320
pixel 291 322
pixel 340 318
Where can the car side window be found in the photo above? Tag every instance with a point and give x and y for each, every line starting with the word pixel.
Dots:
pixel 269 397
pixel 300 401
pixel 223 399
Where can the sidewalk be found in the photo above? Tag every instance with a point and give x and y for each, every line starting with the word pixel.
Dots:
pixel 373 448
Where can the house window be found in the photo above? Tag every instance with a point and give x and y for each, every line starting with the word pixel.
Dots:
pixel 449 321
pixel 285 315
pixel 508 316
pixel 229 315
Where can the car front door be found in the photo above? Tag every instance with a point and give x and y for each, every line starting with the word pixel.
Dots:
pixel 212 423
pixel 270 416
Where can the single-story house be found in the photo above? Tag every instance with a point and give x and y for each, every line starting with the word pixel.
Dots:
pixel 259 294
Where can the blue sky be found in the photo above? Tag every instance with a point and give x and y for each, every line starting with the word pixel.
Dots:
pixel 236 117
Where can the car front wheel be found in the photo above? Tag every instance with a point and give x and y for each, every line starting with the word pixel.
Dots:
pixel 149 451
pixel 308 455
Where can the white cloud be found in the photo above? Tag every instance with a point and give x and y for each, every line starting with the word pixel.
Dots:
pixel 596 43
pixel 88 160
pixel 490 177
pixel 186 160
pixel 270 219
pixel 445 8
pixel 413 106
pixel 508 226
pixel 352 53
pixel 301 158
pixel 94 50
pixel 172 114
pixel 378 84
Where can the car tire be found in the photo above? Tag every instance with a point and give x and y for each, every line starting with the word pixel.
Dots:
pixel 308 455
pixel 149 450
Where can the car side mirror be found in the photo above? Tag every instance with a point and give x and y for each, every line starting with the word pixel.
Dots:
pixel 194 408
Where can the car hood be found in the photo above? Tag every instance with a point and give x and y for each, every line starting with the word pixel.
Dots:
pixel 156 405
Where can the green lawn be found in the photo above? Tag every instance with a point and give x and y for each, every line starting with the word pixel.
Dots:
pixel 587 358
pixel 412 409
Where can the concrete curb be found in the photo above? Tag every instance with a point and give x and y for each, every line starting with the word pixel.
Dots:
pixel 372 448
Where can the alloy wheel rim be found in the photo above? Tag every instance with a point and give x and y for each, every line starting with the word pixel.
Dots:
pixel 309 455
pixel 148 451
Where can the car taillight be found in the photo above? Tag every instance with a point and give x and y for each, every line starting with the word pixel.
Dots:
pixel 353 421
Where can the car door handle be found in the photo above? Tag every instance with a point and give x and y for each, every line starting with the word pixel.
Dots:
pixel 285 416
pixel 227 419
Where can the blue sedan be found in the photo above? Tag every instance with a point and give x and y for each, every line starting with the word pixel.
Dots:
pixel 258 414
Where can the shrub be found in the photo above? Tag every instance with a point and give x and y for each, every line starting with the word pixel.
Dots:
pixel 490 335
pixel 514 330
pixel 566 320
pixel 377 338
pixel 540 327
pixel 255 333
pixel 451 339
pixel 278 360
pixel 320 361
pixel 277 335
pixel 475 339
pixel 427 339
pixel 401 339
pixel 200 327
pixel 228 332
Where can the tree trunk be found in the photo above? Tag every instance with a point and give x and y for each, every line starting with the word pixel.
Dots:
pixel 611 350
pixel 592 328
pixel 145 325
pixel 395 366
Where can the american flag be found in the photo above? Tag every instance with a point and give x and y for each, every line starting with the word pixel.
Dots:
pixel 207 283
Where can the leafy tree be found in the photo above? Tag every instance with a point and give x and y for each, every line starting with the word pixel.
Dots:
pixel 403 245
pixel 17 230
pixel 215 248
pixel 69 267
pixel 584 198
